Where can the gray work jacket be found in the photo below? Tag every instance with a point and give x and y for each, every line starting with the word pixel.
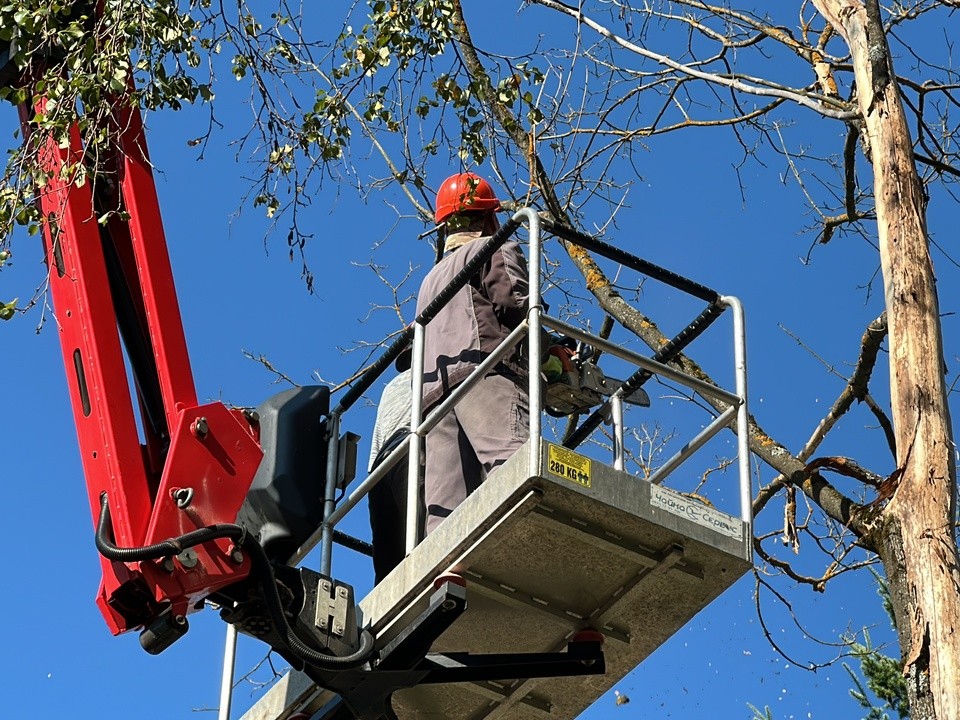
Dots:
pixel 475 320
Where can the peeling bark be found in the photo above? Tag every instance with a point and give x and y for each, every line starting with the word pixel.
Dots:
pixel 914 532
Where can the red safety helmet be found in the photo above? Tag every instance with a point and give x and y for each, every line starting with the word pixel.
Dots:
pixel 464 192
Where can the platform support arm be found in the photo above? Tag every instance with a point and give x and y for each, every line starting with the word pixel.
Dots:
pixel 365 694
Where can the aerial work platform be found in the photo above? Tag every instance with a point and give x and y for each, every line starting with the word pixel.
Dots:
pixel 554 544
pixel 579 546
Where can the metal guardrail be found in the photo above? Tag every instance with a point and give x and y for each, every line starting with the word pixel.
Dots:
pixel 530 330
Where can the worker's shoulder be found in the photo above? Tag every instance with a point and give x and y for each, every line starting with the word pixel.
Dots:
pixel 438 276
pixel 468 252
pixel 444 271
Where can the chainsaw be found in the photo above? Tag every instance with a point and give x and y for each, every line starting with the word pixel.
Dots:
pixel 575 383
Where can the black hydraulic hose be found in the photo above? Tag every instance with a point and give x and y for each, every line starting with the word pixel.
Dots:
pixel 665 354
pixel 265 576
pixel 277 615
pixel 167 548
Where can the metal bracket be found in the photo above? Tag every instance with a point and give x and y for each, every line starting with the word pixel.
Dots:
pixel 346 459
pixel 365 694
pixel 333 606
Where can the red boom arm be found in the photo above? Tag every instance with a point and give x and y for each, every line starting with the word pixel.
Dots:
pixel 116 306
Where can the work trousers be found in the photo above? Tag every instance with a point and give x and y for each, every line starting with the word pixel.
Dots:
pixel 477 436
pixel 388 511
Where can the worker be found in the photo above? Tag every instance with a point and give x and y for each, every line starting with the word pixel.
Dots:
pixel 387 500
pixel 492 422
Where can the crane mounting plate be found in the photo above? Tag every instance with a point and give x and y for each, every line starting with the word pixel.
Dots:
pixel 579 545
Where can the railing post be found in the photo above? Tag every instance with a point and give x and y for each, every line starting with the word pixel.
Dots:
pixel 413 454
pixel 226 680
pixel 329 497
pixel 616 415
pixel 533 321
pixel 743 414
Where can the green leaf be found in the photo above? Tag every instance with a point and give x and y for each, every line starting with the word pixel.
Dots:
pixel 8 310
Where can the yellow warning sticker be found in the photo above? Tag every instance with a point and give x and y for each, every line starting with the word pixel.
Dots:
pixel 568 465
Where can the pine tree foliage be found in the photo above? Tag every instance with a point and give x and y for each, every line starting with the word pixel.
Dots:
pixel 765 714
pixel 884 679
pixel 883 674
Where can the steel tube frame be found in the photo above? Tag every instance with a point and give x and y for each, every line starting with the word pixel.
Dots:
pixel 616 417
pixel 646 363
pixel 368 484
pixel 531 327
pixel 423 427
pixel 412 530
pixel 226 679
pixel 603 249
pixel 329 502
pixel 534 319
pixel 743 413
pixel 718 424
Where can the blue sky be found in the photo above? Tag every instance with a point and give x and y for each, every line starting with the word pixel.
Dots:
pixel 240 293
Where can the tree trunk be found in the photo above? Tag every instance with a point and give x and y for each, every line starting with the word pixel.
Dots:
pixel 914 532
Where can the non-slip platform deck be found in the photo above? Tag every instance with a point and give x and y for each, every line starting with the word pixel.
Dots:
pixel 579 545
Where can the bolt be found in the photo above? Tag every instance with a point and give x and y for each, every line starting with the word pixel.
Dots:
pixel 167 565
pixel 236 555
pixel 182 497
pixel 338 629
pixel 587 663
pixel 200 428
pixel 448 605
pixel 342 591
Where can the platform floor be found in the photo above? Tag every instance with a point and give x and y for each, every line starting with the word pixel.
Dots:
pixel 580 545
